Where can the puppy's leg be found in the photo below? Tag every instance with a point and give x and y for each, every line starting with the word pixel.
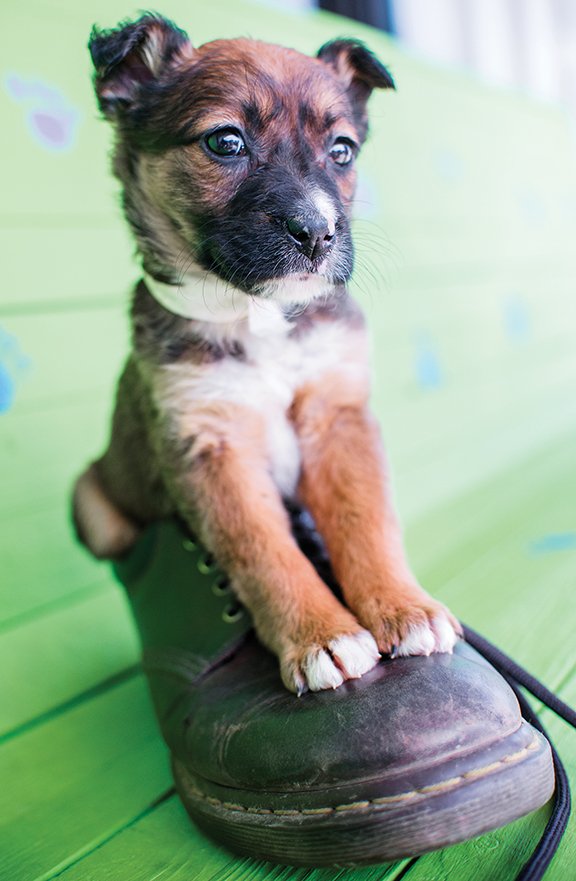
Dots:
pixel 221 481
pixel 345 486
pixel 100 525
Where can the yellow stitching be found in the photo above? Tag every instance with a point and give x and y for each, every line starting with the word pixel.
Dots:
pixel 316 811
pixel 442 786
pixel 231 806
pixel 389 799
pixel 481 772
pixel 353 806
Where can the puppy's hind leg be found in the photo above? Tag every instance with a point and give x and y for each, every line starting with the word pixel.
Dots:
pixel 100 525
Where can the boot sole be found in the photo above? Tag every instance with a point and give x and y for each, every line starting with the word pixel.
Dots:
pixel 373 821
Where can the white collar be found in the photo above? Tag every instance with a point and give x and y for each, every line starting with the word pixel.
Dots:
pixel 203 296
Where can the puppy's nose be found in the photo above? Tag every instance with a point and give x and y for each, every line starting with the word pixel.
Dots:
pixel 311 235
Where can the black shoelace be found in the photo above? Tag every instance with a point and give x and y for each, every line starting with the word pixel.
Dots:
pixel 518 678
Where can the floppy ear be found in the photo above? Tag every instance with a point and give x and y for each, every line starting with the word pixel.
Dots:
pixel 131 57
pixel 359 68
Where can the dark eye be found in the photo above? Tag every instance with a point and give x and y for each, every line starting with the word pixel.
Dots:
pixel 342 151
pixel 226 142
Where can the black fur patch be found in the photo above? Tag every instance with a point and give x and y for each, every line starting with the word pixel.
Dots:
pixel 250 245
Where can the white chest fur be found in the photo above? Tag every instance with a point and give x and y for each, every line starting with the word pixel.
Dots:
pixel 264 383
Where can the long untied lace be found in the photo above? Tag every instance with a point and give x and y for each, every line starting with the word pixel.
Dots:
pixel 518 678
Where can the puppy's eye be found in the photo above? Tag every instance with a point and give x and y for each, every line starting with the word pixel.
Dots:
pixel 226 142
pixel 342 151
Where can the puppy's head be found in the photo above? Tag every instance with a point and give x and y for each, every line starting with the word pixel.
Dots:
pixel 238 156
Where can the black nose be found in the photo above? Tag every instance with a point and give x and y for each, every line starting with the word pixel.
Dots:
pixel 311 235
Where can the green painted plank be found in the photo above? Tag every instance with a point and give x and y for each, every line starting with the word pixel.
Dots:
pixel 429 469
pixel 165 843
pixel 68 264
pixel 41 563
pixel 415 297
pixel 72 782
pixel 65 652
pixel 68 355
pixel 502 591
pixel 532 499
pixel 33 473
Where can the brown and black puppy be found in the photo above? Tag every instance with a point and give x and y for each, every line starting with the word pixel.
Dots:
pixel 248 383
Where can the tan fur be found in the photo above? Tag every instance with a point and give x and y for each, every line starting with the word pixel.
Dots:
pixel 345 485
pixel 246 525
pixel 110 533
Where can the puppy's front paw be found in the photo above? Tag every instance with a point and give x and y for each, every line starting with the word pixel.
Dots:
pixel 435 634
pixel 317 667
pixel 414 628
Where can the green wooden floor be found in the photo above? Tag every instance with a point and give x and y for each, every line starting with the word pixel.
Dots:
pixel 467 269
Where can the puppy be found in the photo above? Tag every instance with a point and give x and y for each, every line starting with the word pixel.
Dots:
pixel 248 382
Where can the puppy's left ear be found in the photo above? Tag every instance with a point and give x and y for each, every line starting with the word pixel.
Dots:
pixel 132 58
pixel 357 67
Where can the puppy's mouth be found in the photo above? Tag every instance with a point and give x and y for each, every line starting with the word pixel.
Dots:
pixel 267 268
pixel 296 288
pixel 317 267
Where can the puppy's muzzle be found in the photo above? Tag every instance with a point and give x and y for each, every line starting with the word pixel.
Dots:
pixel 311 235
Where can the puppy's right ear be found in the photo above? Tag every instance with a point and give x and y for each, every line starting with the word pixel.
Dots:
pixel 132 57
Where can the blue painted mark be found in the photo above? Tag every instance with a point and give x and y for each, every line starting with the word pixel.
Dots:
pixel 50 118
pixel 429 373
pixel 449 165
pixel 556 541
pixel 516 318
pixel 13 365
pixel 6 390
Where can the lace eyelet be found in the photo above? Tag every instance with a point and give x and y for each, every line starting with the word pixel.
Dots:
pixel 233 613
pixel 206 564
pixel 221 587
pixel 189 544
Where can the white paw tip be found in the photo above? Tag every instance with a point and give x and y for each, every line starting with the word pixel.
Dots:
pixel 446 636
pixel 423 639
pixel 321 672
pixel 419 641
pixel 355 654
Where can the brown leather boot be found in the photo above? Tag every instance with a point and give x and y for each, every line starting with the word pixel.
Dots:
pixel 420 753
